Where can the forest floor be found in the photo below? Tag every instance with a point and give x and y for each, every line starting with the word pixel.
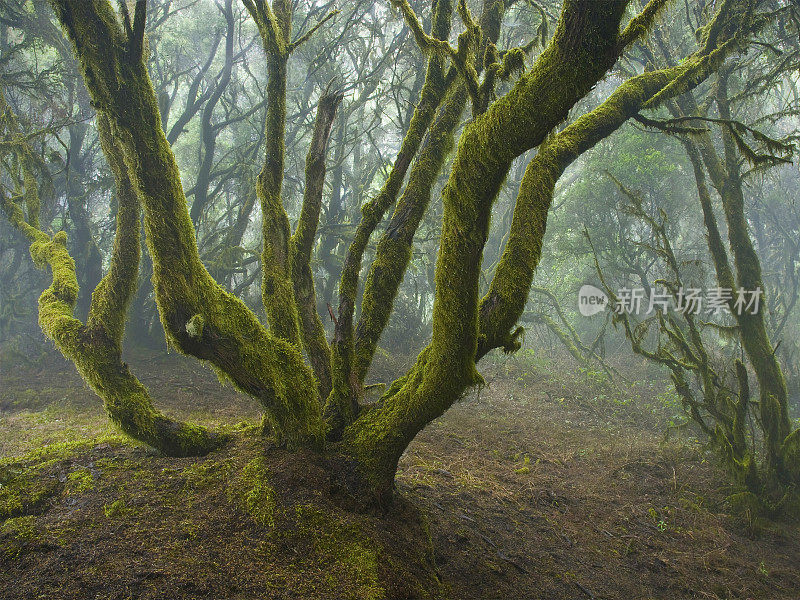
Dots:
pixel 549 483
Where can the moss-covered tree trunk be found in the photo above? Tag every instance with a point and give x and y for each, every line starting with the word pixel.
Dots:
pixel 724 173
pixel 394 249
pixel 583 48
pixel 199 317
pixel 342 405
pixel 203 320
pixel 302 244
pixel 96 347
pixel 277 288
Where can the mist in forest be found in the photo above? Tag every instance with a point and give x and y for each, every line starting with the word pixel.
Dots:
pixel 399 299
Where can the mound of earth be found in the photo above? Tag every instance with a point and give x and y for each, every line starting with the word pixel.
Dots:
pixel 109 520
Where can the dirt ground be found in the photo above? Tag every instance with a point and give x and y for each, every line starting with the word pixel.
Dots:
pixel 550 483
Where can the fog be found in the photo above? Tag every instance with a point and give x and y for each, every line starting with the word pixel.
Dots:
pixel 520 274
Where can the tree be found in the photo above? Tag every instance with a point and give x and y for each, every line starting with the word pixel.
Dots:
pixel 715 391
pixel 318 404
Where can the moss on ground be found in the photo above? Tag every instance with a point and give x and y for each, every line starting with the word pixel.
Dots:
pixel 575 517
pixel 22 492
pixel 262 516
pixel 15 535
pixel 80 481
pixel 253 492
pixel 342 548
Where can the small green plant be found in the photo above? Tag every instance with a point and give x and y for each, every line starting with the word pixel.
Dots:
pixel 658 518
pixel 525 468
pixel 594 377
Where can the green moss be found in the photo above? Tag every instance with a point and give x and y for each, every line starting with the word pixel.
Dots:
pixel 15 534
pixel 343 549
pixel 194 327
pixel 80 481
pixel 513 62
pixel 51 453
pixel 22 492
pixel 254 494
pixel 525 468
pixel 205 474
pixel 277 290
pixel 302 242
pixel 10 501
pixel 116 509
